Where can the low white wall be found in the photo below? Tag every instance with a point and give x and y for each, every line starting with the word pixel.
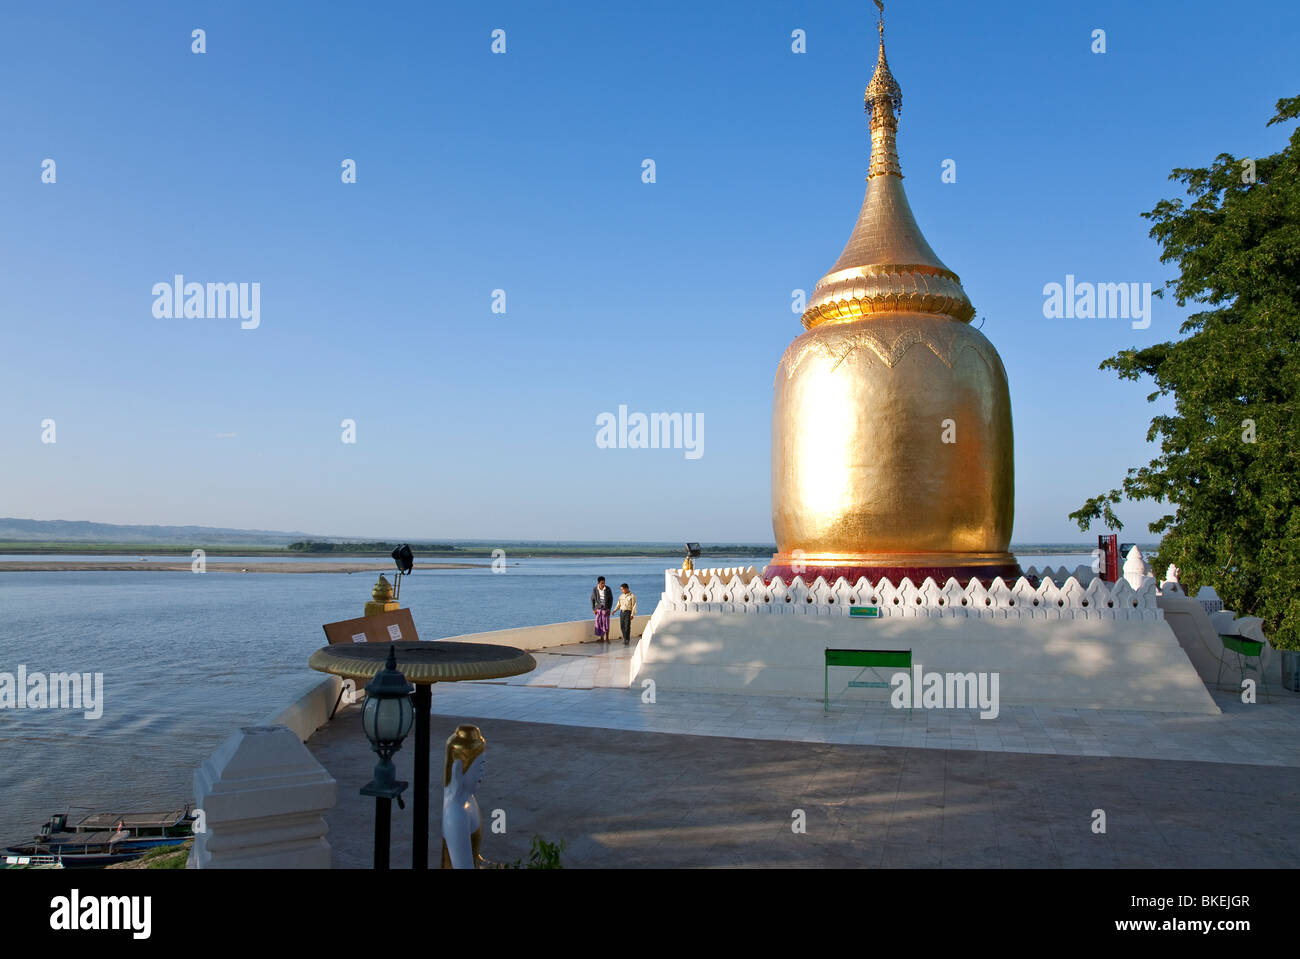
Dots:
pixel 1198 633
pixel 310 711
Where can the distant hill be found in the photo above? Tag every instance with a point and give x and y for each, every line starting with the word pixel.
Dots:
pixel 82 531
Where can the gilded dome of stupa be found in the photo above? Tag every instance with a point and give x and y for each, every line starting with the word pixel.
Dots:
pixel 892 449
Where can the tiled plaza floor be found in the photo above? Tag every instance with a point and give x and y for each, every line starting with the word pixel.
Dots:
pixel 579 666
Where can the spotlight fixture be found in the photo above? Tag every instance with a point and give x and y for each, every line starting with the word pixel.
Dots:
pixel 404 559
pixel 692 551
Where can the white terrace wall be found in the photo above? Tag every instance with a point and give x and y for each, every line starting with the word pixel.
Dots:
pixel 1073 640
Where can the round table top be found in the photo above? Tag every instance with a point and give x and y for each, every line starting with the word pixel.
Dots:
pixel 438 661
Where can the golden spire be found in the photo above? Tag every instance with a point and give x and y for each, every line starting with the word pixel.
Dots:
pixel 887 266
pixel 884 103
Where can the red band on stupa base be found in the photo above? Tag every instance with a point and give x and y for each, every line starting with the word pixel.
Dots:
pixel 1009 572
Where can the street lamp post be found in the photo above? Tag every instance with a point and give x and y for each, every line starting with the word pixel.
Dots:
pixel 386 719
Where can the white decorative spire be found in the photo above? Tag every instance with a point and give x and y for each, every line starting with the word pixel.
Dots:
pixel 1135 568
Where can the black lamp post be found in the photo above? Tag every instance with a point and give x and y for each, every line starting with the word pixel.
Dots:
pixel 386 718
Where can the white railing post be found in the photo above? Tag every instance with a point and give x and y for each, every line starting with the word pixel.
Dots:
pixel 260 803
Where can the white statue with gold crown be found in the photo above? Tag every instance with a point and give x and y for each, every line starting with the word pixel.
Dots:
pixel 462 776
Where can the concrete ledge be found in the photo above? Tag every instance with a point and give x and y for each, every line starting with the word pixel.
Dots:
pixel 310 711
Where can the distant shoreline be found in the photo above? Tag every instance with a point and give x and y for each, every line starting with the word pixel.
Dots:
pixel 129 560
pixel 148 566
pixel 112 551
pixel 475 552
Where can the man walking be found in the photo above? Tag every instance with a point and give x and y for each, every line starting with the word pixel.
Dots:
pixel 626 610
pixel 602 601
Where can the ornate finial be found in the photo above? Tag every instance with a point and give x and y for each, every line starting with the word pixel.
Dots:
pixel 887 266
pixel 883 98
pixel 884 104
pixel 381 598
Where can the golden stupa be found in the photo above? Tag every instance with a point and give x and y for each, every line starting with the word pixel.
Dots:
pixel 891 421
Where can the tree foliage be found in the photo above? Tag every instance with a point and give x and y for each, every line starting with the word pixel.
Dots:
pixel 1228 463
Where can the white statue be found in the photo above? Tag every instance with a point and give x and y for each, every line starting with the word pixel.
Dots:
pixel 461 822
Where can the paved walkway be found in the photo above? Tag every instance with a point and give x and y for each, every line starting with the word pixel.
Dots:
pixel 579 666
pixel 620 798
pixel 699 780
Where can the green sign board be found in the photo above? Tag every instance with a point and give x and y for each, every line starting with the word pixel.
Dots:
pixel 870 612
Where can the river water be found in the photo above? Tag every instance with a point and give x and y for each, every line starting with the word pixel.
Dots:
pixel 186 659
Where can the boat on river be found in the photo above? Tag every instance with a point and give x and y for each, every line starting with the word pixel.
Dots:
pixel 101 839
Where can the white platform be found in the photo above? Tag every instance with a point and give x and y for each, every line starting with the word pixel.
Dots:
pixel 1078 652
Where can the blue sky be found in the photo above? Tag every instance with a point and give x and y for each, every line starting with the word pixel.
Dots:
pixel 522 172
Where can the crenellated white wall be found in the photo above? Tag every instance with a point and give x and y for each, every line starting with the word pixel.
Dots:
pixel 1081 595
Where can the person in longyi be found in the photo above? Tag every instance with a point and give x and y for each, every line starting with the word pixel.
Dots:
pixel 602 601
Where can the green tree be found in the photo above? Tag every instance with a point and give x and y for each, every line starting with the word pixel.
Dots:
pixel 1228 454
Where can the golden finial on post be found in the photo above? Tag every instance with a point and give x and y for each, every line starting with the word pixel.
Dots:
pixel 381 598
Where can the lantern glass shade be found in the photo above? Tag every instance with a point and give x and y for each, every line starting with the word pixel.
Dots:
pixel 387 719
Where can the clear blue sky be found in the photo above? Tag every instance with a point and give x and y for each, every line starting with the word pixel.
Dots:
pixel 522 172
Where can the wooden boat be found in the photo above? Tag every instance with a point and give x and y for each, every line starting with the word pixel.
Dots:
pixel 101 839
